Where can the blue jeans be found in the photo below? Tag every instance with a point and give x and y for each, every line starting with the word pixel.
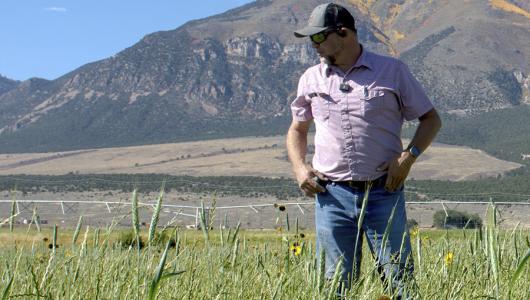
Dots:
pixel 337 214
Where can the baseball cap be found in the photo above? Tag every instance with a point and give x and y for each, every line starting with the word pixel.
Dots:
pixel 327 16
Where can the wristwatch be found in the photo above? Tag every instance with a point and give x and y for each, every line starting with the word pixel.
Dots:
pixel 413 150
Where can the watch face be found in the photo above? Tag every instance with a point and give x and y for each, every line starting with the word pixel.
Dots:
pixel 415 151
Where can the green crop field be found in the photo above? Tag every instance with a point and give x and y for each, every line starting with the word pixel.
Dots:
pixel 228 263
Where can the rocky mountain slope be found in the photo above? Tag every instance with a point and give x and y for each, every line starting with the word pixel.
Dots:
pixel 470 55
pixel 235 73
pixel 7 84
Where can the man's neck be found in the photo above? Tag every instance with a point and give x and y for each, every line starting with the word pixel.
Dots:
pixel 348 57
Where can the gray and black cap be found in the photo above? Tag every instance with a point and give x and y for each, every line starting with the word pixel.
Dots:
pixel 325 17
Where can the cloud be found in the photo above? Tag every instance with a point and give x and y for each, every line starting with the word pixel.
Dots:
pixel 55 9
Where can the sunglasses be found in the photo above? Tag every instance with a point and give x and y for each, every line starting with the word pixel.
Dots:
pixel 320 37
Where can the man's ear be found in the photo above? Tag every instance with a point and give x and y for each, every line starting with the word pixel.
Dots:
pixel 342 32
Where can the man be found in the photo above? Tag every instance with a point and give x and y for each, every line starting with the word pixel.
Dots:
pixel 358 101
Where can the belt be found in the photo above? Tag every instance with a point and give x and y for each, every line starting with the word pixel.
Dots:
pixel 362 185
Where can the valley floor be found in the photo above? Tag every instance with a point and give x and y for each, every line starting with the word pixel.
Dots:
pixel 258 156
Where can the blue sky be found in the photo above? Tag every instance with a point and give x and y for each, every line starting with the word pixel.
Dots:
pixel 44 38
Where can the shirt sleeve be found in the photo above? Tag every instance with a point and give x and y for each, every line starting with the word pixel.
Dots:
pixel 414 101
pixel 301 106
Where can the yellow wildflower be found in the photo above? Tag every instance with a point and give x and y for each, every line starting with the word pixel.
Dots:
pixel 295 249
pixel 449 258
pixel 414 232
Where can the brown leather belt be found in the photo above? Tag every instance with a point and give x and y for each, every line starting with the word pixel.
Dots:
pixel 362 185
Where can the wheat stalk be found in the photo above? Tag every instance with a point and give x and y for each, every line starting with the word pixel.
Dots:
pixel 156 214
pixel 77 230
pixel 135 219
pixel 155 282
pixel 12 217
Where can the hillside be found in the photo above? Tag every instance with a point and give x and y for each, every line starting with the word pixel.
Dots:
pixel 470 55
pixel 264 157
pixel 502 133
pixel 7 84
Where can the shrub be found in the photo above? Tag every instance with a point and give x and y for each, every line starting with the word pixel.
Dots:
pixel 161 239
pixel 456 219
pixel 127 239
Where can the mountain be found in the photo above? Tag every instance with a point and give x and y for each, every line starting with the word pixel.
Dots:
pixel 235 73
pixel 470 55
pixel 7 84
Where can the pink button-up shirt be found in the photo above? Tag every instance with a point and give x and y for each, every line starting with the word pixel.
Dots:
pixel 359 129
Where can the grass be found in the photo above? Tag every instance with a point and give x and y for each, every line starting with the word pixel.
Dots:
pixel 252 265
pixel 232 263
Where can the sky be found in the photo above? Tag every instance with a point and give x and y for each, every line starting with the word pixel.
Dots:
pixel 47 39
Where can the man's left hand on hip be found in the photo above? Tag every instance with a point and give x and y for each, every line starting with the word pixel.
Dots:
pixel 398 170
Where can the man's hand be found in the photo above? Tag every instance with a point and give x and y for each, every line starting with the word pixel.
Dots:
pixel 296 148
pixel 398 170
pixel 305 175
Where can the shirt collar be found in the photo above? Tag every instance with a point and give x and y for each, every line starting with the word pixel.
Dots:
pixel 362 61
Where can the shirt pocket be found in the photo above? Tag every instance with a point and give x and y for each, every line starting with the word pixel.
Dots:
pixel 377 100
pixel 320 103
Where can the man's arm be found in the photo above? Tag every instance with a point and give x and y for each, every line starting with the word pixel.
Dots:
pixel 430 124
pixel 297 150
pixel 399 168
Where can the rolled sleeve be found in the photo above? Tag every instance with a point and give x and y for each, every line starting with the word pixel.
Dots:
pixel 414 101
pixel 301 106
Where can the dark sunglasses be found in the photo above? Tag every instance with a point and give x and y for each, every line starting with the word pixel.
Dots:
pixel 321 37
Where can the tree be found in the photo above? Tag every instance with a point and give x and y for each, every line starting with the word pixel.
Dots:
pixel 456 219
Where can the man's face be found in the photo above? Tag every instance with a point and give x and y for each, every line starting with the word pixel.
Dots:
pixel 330 48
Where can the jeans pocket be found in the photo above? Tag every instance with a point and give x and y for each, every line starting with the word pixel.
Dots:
pixel 325 184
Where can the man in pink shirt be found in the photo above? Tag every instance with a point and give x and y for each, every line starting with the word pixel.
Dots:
pixel 358 101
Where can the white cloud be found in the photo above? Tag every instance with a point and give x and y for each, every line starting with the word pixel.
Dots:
pixel 55 9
